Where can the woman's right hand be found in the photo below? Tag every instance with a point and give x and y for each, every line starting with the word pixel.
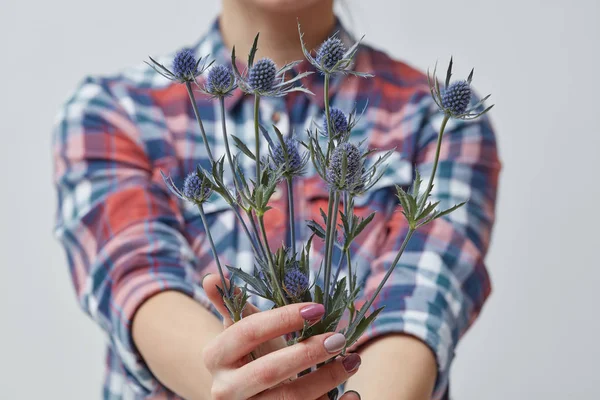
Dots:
pixel 272 376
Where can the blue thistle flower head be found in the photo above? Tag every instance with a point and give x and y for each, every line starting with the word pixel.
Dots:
pixel 332 56
pixel 295 282
pixel 185 66
pixel 294 163
pixel 196 188
pixel 350 178
pixel 456 97
pixel 339 122
pixel 261 76
pixel 220 81
pixel 331 52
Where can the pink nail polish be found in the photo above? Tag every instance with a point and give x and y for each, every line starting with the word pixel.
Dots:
pixel 351 362
pixel 312 312
pixel 335 343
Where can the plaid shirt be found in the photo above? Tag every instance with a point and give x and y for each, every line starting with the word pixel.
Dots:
pixel 128 238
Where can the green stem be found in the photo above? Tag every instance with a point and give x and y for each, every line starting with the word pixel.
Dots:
pixel 197 113
pixel 350 215
pixel 237 188
pixel 326 254
pixel 212 246
pixel 226 140
pixel 257 136
pixel 276 280
pixel 291 216
pixel 336 205
pixel 351 282
pixel 329 239
pixel 337 271
pixel 368 305
pixel 352 285
pixel 257 234
pixel 327 114
pixel 435 164
pixel 346 249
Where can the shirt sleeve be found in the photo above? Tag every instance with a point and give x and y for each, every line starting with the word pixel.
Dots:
pixel 440 284
pixel 121 229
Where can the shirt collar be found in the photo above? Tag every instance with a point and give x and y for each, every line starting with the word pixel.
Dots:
pixel 213 47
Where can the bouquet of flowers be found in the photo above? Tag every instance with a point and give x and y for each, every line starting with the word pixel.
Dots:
pixel 282 275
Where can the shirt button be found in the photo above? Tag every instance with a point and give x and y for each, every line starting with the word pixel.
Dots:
pixel 276 117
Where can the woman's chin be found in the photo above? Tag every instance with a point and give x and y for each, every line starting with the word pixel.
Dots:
pixel 284 5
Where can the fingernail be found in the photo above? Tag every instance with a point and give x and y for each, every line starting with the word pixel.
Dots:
pixel 351 362
pixel 355 392
pixel 312 312
pixel 203 278
pixel 335 343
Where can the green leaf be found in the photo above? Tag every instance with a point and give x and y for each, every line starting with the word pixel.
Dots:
pixel 470 78
pixel 404 202
pixel 266 135
pixel 345 223
pixel 428 209
pixel 243 148
pixel 324 216
pixel 412 203
pixel 256 283
pixel 417 184
pixel 449 73
pixel 448 211
pixel 363 224
pixel 253 50
pixel 317 229
pixel 318 294
pixel 352 337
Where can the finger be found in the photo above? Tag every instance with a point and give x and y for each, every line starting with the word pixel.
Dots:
pixel 317 383
pixel 286 363
pixel 210 283
pixel 351 395
pixel 241 338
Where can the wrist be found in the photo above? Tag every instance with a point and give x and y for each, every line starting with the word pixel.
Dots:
pixel 170 331
pixel 395 366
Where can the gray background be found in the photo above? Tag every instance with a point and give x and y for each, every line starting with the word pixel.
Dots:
pixel 538 335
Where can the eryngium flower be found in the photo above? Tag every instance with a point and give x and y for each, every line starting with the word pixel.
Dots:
pixel 295 282
pixel 220 81
pixel 455 98
pixel 185 67
pixel 264 79
pixel 288 158
pixel 332 56
pixel 261 76
pixel 345 167
pixel 331 52
pixel 339 122
pixel 197 188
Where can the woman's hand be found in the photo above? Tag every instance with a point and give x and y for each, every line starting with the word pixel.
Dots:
pixel 272 375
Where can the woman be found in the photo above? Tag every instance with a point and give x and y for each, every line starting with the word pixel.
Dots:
pixel 138 256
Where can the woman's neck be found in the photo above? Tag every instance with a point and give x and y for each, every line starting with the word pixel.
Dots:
pixel 279 40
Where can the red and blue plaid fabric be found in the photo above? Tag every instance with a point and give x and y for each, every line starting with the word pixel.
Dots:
pixel 127 237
